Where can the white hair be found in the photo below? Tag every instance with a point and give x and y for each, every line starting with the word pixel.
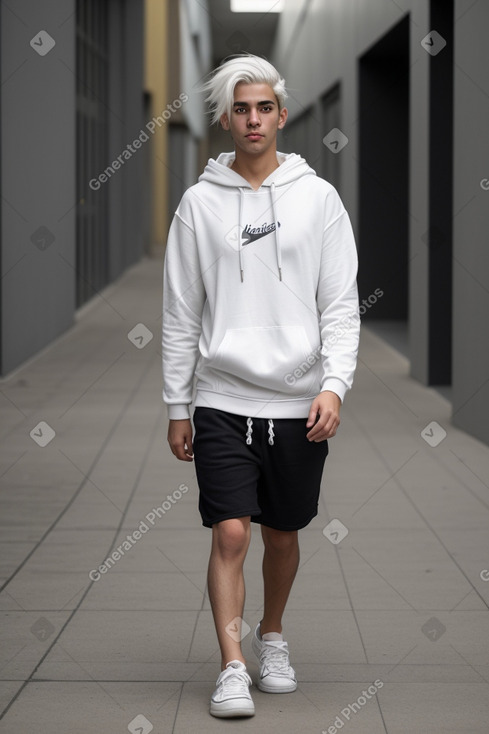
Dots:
pixel 240 69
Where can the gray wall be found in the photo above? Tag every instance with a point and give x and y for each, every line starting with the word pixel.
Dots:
pixel 38 161
pixel 319 45
pixel 126 118
pixel 37 177
pixel 471 221
pixel 340 33
pixel 189 55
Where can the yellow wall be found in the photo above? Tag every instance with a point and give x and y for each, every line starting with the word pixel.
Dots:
pixel 156 83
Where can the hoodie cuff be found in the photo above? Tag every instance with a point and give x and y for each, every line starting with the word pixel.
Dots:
pixel 334 385
pixel 178 412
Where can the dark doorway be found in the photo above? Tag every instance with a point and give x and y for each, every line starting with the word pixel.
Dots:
pixel 331 118
pixel 300 136
pixel 384 177
pixel 438 238
pixel 92 68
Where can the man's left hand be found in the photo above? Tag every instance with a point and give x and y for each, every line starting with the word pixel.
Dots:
pixel 324 416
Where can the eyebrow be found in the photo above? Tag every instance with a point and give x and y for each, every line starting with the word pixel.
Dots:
pixel 246 104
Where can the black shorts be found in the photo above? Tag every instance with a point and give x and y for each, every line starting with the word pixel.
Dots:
pixel 258 467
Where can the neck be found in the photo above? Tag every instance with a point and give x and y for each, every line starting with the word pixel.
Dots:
pixel 255 169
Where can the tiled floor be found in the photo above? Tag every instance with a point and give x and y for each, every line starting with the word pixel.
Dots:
pixel 399 604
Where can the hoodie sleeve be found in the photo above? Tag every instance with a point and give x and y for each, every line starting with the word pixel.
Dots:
pixel 337 300
pixel 183 303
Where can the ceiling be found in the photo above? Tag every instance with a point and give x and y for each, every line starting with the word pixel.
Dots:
pixel 234 33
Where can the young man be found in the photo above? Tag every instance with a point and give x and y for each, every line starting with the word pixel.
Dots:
pixel 261 308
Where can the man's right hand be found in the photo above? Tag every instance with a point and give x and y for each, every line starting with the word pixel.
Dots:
pixel 180 439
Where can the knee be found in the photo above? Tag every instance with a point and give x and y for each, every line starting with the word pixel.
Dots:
pixel 232 536
pixel 280 540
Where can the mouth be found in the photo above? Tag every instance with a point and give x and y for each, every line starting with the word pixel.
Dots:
pixel 254 136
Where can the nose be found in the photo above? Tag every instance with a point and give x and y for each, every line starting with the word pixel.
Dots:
pixel 253 118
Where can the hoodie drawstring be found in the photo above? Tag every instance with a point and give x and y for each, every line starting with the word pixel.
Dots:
pixel 278 250
pixel 240 238
pixel 249 431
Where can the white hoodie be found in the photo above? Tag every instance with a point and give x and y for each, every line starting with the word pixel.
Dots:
pixel 259 298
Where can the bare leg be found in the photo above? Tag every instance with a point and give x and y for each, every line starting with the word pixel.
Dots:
pixel 225 581
pixel 280 564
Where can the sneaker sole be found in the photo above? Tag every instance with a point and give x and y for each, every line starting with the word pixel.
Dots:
pixel 230 713
pixel 270 689
pixel 290 688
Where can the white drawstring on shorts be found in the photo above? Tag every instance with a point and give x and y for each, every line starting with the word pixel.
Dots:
pixel 270 432
pixel 249 431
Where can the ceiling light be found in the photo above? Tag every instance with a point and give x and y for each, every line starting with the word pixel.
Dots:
pixel 257 6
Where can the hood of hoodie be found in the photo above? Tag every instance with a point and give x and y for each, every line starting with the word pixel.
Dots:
pixel 291 168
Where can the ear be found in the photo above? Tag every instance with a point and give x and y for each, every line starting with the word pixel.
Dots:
pixel 224 120
pixel 282 118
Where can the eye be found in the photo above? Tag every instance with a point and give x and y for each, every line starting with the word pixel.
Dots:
pixel 240 109
pixel 266 108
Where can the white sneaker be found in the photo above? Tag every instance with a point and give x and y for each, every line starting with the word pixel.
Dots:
pixel 232 695
pixel 276 673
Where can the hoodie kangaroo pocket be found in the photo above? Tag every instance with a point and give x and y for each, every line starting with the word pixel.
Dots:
pixel 267 356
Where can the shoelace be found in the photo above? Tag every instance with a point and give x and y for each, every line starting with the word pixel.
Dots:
pixel 275 657
pixel 233 681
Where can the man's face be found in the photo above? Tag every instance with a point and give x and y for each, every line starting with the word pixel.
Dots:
pixel 255 118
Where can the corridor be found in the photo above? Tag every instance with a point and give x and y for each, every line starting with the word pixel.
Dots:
pixel 387 622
